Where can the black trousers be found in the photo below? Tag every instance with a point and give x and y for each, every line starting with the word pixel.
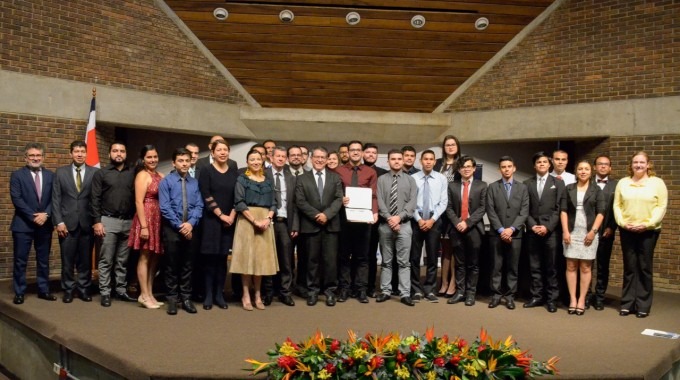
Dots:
pixel 542 265
pixel 638 252
pixel 179 257
pixel 76 255
pixel 505 261
pixel 466 257
pixel 372 258
pixel 282 282
pixel 322 259
pixel 432 243
pixel 353 252
pixel 604 254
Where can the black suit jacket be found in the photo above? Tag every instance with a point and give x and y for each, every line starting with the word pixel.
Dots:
pixel 68 205
pixel 309 204
pixel 608 193
pixel 546 210
pixel 593 204
pixel 204 162
pixel 504 213
pixel 25 199
pixel 476 205
pixel 293 220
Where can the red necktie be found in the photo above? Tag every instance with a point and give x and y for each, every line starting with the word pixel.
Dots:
pixel 464 206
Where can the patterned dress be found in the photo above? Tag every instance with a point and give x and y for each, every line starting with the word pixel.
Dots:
pixel 152 212
pixel 577 249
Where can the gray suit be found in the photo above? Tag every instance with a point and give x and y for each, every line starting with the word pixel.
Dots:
pixel 506 213
pixel 71 207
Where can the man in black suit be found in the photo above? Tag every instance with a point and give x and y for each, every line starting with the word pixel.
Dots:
pixel 31 191
pixel 318 195
pixel 71 214
pixel 370 157
pixel 603 169
pixel 207 160
pixel 543 233
pixel 466 209
pixel 507 207
pixel 286 227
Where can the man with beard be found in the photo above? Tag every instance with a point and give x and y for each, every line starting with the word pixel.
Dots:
pixel 295 160
pixel 343 153
pixel 296 168
pixel 409 153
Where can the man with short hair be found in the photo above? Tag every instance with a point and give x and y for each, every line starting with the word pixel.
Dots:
pixel 113 207
pixel 431 203
pixel 356 236
pixel 197 283
pixel 560 159
pixel 295 160
pixel 397 193
pixel 370 157
pixel 607 184
pixel 507 207
pixel 544 233
pixel 194 150
pixel 343 153
pixel 269 146
pixel 300 268
pixel 71 214
pixel 206 161
pixel 318 196
pixel 306 165
pixel 409 153
pixel 30 189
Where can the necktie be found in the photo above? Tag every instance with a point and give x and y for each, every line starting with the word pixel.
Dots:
pixel 319 185
pixel 277 188
pixel 38 187
pixel 297 172
pixel 393 196
pixel 541 184
pixel 192 172
pixel 355 176
pixel 602 181
pixel 558 177
pixel 185 212
pixel 79 180
pixel 508 187
pixel 426 198
pixel 465 207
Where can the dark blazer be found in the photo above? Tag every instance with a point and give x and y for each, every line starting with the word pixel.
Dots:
pixel 476 204
pixel 293 220
pixel 309 204
pixel 546 210
pixel 438 168
pixel 504 213
pixel 204 162
pixel 68 205
pixel 593 204
pixel 608 193
pixel 25 199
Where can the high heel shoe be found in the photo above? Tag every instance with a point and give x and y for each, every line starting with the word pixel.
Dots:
pixel 259 305
pixel 147 303
pixel 248 306
pixel 571 310
pixel 578 311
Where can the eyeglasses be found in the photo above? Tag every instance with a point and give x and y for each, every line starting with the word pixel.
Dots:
pixel 34 155
pixel 602 163
pixel 450 145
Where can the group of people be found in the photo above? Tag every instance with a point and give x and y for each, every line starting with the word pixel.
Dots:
pixel 285 220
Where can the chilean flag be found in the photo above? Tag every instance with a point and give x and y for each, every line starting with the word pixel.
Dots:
pixel 92 158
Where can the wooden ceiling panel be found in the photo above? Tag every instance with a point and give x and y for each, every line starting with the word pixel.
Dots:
pixel 383 63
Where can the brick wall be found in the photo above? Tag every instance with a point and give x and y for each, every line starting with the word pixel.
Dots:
pixel 587 51
pixel 56 134
pixel 129 44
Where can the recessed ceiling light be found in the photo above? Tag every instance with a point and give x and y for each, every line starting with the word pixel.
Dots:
pixel 418 21
pixel 221 14
pixel 482 23
pixel 353 18
pixel 286 15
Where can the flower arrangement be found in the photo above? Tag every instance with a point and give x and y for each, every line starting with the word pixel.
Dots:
pixel 422 357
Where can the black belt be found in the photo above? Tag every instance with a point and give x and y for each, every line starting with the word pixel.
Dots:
pixel 280 219
pixel 121 217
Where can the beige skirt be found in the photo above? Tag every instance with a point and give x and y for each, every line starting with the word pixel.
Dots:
pixel 254 251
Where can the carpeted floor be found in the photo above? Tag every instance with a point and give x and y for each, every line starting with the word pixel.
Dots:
pixel 140 343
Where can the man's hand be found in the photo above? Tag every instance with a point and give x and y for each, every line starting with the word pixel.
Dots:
pixel 321 218
pixel 99 230
pixel 40 218
pixel 462 226
pixel 540 230
pixel 62 231
pixel 186 229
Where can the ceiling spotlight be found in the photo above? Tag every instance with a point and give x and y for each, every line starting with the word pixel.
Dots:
pixel 418 21
pixel 221 14
pixel 481 23
pixel 286 15
pixel 353 18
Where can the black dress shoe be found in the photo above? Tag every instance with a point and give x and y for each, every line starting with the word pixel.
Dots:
pixel 172 308
pixel 552 308
pixel 312 300
pixel 18 299
pixel 287 300
pixel 599 305
pixel 533 303
pixel 624 312
pixel 510 303
pixel 494 302
pixel 267 300
pixel 470 301
pixel 68 297
pixel 362 297
pixel 85 296
pixel 106 301
pixel 344 294
pixel 47 296
pixel 455 299
pixel 207 307
pixel 125 297
pixel 641 314
pixel 330 300
pixel 221 304
pixel 382 297
pixel 407 301
pixel 188 306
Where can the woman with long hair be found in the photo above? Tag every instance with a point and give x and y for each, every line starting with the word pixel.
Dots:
pixel 581 215
pixel 254 251
pixel 640 202
pixel 145 234
pixel 448 165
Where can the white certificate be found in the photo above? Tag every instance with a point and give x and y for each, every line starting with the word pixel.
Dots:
pixel 360 215
pixel 360 206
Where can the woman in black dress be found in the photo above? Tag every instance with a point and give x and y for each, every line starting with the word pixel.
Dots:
pixel 217 183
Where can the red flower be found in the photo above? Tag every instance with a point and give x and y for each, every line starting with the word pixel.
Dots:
pixel 335 345
pixel 445 338
pixel 439 362
pixel 349 361
pixel 364 345
pixel 481 348
pixel 455 360
pixel 330 368
pixel 377 361
pixel 293 344
pixel 413 347
pixel 462 343
pixel 401 357
pixel 286 362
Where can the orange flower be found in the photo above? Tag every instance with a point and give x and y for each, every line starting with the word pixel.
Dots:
pixel 429 334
